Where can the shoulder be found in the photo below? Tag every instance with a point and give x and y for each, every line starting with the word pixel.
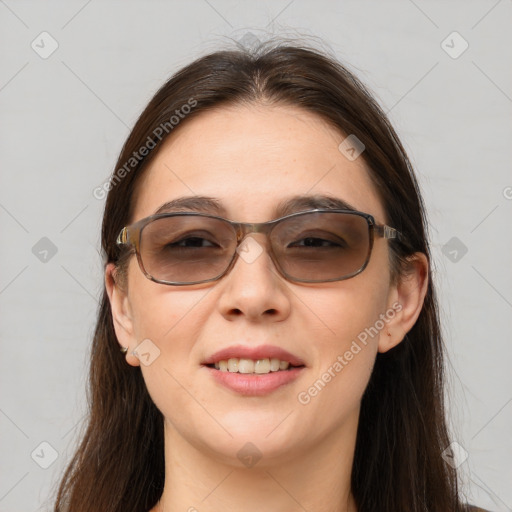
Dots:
pixel 471 508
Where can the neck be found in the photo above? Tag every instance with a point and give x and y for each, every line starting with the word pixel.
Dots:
pixel 312 479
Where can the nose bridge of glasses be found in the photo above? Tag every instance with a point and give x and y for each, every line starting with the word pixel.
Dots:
pixel 243 229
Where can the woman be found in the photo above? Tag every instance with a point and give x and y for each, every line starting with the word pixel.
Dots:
pixel 268 281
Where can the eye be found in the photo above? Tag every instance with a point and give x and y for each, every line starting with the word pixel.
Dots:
pixel 314 242
pixel 184 241
pixel 192 241
pixel 319 239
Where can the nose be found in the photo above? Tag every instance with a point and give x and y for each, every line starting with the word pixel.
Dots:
pixel 253 288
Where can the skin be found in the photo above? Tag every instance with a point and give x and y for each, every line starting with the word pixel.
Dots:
pixel 250 158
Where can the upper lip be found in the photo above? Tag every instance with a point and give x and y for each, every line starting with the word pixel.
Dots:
pixel 255 353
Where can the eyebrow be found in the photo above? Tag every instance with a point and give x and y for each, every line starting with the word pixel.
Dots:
pixel 211 205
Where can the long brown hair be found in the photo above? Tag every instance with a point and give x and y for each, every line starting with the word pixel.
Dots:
pixel 119 465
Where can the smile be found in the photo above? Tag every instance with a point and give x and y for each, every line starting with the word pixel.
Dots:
pixel 253 371
pixel 257 367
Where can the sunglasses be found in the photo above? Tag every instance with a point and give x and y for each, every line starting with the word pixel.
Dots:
pixel 314 246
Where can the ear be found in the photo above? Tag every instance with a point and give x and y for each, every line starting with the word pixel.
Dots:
pixel 406 300
pixel 121 314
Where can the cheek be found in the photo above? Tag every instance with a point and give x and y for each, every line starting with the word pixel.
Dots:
pixel 161 312
pixel 173 320
pixel 168 320
pixel 350 311
pixel 345 339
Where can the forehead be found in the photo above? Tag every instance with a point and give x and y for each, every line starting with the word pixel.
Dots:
pixel 250 159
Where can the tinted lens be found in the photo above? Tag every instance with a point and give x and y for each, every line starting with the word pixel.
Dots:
pixel 312 247
pixel 186 249
pixel 321 246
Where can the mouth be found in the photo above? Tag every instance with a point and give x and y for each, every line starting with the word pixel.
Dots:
pixel 253 366
pixel 254 371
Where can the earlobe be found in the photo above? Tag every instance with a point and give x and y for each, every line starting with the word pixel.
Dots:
pixel 406 299
pixel 121 315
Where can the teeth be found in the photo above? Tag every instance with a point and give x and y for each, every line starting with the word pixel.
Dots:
pixel 260 366
pixel 274 364
pixel 245 366
pixel 233 364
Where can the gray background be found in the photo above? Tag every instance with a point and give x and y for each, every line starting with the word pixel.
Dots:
pixel 65 117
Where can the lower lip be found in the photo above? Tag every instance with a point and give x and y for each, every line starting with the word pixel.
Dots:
pixel 250 384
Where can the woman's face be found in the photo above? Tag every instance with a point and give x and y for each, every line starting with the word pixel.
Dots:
pixel 251 159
